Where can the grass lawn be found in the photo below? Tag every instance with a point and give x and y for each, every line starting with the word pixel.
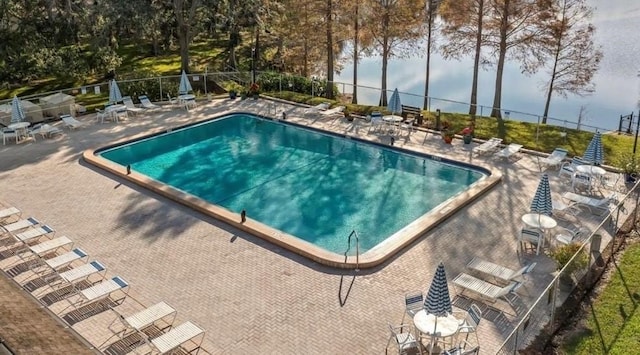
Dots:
pixel 613 323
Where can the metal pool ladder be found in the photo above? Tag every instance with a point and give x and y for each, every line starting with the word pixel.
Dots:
pixel 352 234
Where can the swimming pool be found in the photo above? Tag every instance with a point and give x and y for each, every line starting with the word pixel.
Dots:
pixel 300 187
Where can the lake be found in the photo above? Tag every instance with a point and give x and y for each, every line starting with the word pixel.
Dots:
pixel 617 82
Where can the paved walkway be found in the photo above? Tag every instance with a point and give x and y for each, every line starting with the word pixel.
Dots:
pixel 249 295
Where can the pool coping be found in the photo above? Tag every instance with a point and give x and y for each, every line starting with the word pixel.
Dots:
pixel 371 258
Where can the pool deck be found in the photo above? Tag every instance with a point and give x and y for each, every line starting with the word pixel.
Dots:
pixel 249 295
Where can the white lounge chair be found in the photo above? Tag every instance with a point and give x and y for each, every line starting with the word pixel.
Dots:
pixel 65 259
pixel 178 336
pixel 563 210
pixel 599 206
pixel 34 233
pixel 499 272
pixel 333 111
pixel 149 316
pixel 18 225
pixel 51 245
pixel 554 159
pixel 71 122
pixel 484 289
pixel 317 108
pixel 8 213
pixel 131 107
pixel 488 146
pixel 46 130
pixel 146 103
pixel 100 291
pixel 570 235
pixel 82 272
pixel 509 151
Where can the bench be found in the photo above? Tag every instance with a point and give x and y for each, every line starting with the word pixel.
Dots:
pixel 410 110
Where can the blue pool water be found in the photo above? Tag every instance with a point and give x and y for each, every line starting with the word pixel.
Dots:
pixel 311 185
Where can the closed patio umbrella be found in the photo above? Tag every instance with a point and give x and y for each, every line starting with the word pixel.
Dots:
pixel 594 153
pixel 438 301
pixel 395 106
pixel 17 113
pixel 185 84
pixel 115 95
pixel 541 202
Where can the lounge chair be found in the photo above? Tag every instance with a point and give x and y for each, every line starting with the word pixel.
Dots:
pixel 100 291
pixel 570 235
pixel 65 259
pixel 178 336
pixel 484 289
pixel 554 159
pixel 317 108
pixel 563 210
pixel 19 225
pixel 71 122
pixel 51 245
pixel 149 316
pixel 488 146
pixel 599 206
pixel 72 276
pixel 46 130
pixel 131 107
pixel 509 151
pixel 499 272
pixel 7 213
pixel 336 111
pixel 34 233
pixel 146 103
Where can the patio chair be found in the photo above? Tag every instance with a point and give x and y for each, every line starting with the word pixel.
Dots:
pixel 554 159
pixel 404 339
pixel 71 122
pixel 498 272
pixel 530 240
pixel 173 101
pixel 469 324
pixel 598 206
pixel 486 290
pixel 569 168
pixel 8 134
pixel 488 146
pixel 146 103
pixel 413 302
pixel 509 151
pixel 581 182
pixel 131 107
pixel 461 349
pixel 376 122
pixel 570 235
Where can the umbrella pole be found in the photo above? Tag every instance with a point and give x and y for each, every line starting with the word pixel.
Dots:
pixel 433 336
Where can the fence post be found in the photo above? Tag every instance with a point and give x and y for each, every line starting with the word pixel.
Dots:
pixel 161 95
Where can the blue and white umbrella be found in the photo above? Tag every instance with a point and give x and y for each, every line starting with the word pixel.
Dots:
pixel 185 85
pixel 438 301
pixel 17 113
pixel 594 153
pixel 394 103
pixel 115 95
pixel 542 199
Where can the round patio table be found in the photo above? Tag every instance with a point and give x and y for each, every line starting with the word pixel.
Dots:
pixel 539 221
pixel 591 170
pixel 435 327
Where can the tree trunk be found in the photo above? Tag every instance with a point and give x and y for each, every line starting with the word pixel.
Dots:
pixel 385 60
pixel 476 63
pixel 183 40
pixel 356 30
pixel 497 96
pixel 329 88
pixel 550 88
pixel 425 104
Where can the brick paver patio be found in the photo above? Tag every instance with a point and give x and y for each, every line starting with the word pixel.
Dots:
pixel 249 295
